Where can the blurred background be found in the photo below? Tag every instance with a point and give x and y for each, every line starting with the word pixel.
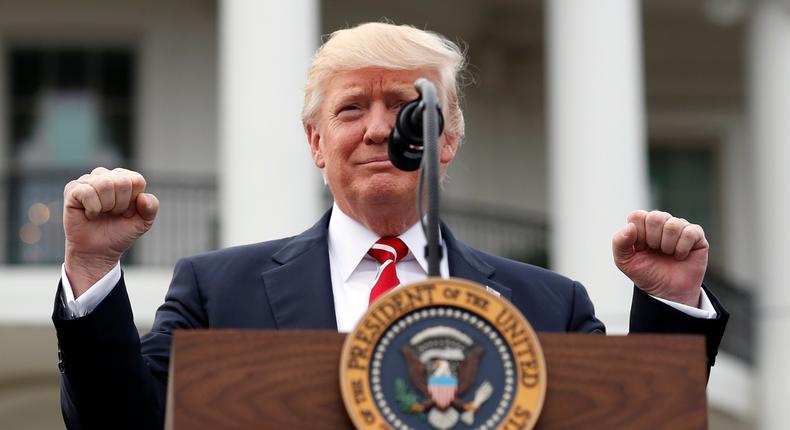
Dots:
pixel 576 113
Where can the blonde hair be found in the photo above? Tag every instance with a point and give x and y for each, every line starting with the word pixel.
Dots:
pixel 389 46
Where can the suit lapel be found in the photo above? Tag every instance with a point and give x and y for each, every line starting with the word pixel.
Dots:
pixel 464 263
pixel 299 288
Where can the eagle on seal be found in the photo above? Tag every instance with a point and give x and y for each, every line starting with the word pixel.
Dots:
pixel 442 381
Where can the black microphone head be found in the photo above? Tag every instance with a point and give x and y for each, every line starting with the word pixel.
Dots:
pixel 405 144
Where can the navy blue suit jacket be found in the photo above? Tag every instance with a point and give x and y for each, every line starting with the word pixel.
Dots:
pixel 111 378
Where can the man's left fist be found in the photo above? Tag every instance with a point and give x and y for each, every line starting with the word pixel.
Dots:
pixel 664 256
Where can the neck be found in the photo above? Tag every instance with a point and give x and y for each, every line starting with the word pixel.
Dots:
pixel 384 220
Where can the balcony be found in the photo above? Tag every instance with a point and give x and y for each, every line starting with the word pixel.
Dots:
pixel 188 224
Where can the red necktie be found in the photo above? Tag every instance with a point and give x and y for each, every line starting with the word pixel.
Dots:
pixel 387 251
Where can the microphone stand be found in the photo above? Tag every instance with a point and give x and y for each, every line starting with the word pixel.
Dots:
pixel 430 166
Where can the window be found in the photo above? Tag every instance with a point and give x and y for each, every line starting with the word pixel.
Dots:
pixel 684 182
pixel 70 109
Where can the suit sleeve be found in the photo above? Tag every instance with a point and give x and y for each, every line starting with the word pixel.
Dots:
pixel 649 315
pixel 109 377
pixel 583 313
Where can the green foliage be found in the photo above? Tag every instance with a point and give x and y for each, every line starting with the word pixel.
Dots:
pixel 405 397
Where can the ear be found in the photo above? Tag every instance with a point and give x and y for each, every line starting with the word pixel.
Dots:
pixel 314 140
pixel 449 148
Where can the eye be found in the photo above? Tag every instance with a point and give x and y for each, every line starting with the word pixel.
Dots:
pixel 347 108
pixel 349 112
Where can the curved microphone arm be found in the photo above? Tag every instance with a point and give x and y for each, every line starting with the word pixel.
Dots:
pixel 430 130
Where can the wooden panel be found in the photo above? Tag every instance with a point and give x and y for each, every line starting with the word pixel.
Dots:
pixel 234 379
pixel 229 379
pixel 619 382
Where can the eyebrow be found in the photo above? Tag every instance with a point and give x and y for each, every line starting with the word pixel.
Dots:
pixel 349 94
pixel 401 90
pixel 405 91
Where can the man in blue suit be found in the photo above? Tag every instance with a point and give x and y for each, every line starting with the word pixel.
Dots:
pixel 324 278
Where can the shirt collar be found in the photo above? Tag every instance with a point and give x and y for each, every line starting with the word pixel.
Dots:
pixel 415 239
pixel 349 242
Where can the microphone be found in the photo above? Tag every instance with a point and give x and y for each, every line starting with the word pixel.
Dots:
pixel 405 145
pixel 417 130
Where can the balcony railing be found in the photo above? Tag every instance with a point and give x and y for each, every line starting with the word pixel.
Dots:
pixel 504 232
pixel 188 224
pixel 739 338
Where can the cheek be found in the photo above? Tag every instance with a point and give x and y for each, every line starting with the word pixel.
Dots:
pixel 352 131
pixel 344 139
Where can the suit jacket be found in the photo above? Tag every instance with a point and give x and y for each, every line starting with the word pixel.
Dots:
pixel 113 379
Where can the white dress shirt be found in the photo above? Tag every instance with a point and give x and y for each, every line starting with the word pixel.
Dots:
pixel 87 302
pixel 352 270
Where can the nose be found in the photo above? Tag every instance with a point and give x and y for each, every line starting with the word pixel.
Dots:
pixel 380 122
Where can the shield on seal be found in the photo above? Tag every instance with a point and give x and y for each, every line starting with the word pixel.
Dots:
pixel 443 389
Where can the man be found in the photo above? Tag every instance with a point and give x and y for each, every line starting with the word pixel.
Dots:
pixel 326 277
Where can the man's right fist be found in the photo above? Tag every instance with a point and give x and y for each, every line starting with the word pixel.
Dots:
pixel 104 212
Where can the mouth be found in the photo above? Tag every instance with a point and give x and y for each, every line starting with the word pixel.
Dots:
pixel 377 162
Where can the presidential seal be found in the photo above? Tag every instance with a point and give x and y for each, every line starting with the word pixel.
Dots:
pixel 443 354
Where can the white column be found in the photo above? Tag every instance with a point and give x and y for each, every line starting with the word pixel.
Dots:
pixel 597 151
pixel 769 98
pixel 269 187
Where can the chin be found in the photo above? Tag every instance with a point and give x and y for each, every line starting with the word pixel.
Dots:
pixel 379 190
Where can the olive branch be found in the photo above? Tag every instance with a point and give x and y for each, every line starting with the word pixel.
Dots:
pixel 405 397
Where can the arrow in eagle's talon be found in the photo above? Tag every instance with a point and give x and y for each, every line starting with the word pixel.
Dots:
pixel 481 395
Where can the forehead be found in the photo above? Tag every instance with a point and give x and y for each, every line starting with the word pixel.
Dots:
pixel 374 80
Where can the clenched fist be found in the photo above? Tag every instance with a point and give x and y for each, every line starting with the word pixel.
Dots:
pixel 664 256
pixel 104 212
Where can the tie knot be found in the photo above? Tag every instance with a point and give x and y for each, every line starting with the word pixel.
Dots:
pixel 388 248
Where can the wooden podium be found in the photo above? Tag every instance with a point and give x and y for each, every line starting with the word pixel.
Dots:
pixel 236 379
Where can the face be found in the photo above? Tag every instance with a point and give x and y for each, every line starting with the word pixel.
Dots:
pixel 349 139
